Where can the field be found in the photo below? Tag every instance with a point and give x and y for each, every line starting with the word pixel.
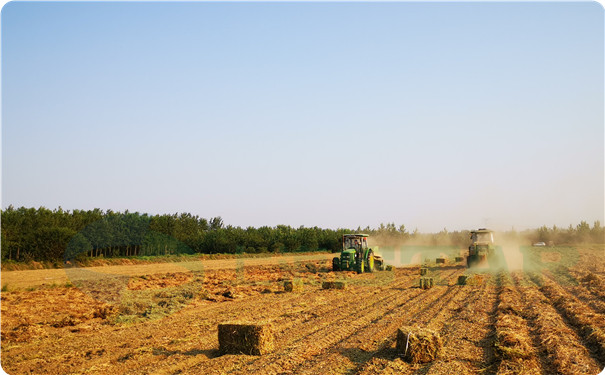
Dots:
pixel 546 318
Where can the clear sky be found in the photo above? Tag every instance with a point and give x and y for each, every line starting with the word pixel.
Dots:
pixel 430 115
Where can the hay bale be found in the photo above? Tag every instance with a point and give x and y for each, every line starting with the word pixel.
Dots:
pixel 426 282
pixel 440 260
pixel 334 285
pixel 459 259
pixel 423 271
pixel 418 345
pixel 245 338
pixel 471 280
pixel 295 285
pixel 389 268
pixel 475 280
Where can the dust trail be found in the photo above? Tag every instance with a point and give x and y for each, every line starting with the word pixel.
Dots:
pixel 513 257
pixel 409 255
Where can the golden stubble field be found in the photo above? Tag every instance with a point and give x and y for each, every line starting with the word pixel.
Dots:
pixel 547 321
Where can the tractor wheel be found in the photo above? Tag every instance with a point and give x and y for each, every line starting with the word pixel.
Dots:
pixel 371 264
pixel 336 264
pixel 360 265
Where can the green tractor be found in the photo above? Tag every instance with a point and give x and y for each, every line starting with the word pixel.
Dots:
pixel 482 249
pixel 357 256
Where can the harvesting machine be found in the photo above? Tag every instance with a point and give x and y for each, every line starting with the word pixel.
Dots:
pixel 482 249
pixel 357 256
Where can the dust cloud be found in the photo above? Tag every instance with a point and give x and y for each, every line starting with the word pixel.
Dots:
pixel 401 253
pixel 508 253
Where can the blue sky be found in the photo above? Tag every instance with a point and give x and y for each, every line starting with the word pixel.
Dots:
pixel 430 115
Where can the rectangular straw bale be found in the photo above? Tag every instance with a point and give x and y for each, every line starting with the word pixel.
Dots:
pixel 245 338
pixel 462 279
pixel 295 285
pixel 334 285
pixel 426 282
pixel 475 280
pixel 440 260
pixel 418 345
pixel 389 268
pixel 459 259
pixel 423 271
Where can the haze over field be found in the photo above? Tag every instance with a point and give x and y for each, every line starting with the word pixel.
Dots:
pixel 319 114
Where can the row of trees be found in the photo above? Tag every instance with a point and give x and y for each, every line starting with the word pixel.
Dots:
pixel 582 233
pixel 58 235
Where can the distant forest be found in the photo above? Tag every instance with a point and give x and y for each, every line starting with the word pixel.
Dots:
pixel 41 234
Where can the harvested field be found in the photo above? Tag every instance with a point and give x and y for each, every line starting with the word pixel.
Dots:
pixel 168 322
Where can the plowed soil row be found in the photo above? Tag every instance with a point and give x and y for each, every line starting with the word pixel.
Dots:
pixel 560 345
pixel 584 295
pixel 467 335
pixel 311 339
pixel 585 286
pixel 593 283
pixel 513 344
pixel 462 319
pixel 589 325
pixel 360 347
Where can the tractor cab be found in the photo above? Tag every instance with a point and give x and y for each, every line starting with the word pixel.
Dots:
pixel 358 242
pixel 482 237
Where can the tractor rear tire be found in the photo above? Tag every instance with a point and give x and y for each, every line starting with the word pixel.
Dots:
pixel 336 264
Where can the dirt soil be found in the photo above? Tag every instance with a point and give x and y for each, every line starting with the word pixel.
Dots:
pixel 27 278
pixel 165 321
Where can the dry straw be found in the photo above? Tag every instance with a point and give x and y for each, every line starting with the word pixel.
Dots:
pixel 295 285
pixel 418 345
pixel 426 282
pixel 334 285
pixel 245 338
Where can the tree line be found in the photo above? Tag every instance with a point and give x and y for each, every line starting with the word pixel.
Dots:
pixel 41 234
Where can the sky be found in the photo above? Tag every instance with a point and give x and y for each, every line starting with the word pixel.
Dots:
pixel 335 114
